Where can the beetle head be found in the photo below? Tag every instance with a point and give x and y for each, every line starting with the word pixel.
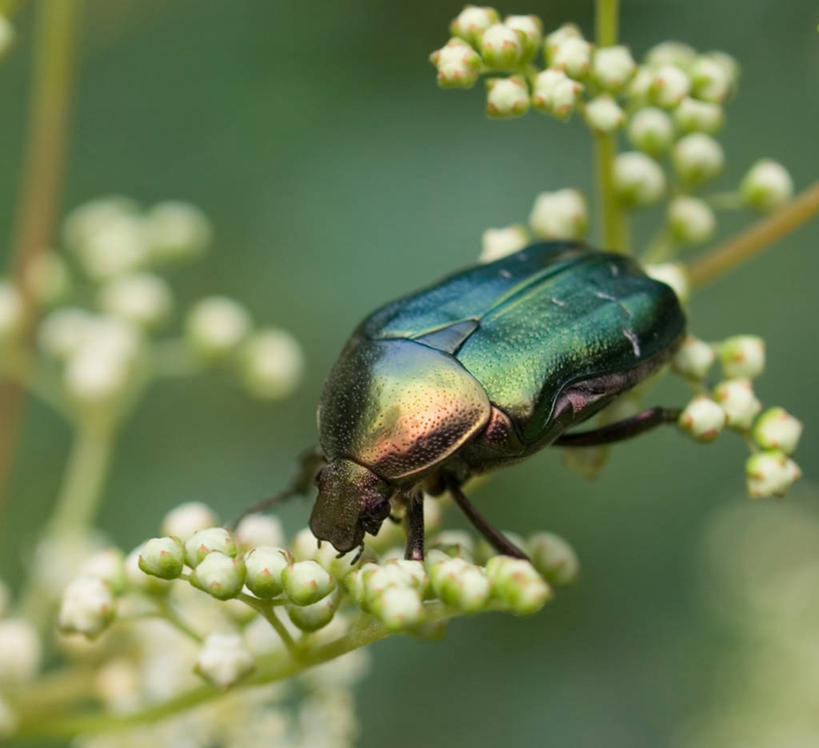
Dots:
pixel 352 500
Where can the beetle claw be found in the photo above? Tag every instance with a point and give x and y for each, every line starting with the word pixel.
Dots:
pixel 357 555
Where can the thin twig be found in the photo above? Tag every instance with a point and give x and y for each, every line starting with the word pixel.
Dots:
pixel 756 238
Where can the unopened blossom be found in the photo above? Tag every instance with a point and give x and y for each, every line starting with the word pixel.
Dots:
pixel 671 53
pixel 770 473
pixel 669 86
pixel 559 215
pixel 638 179
pixel 530 30
pixel 702 418
pixel 139 580
pixel 87 607
pixel 603 114
pixel 693 358
pixel 501 47
pixel 63 331
pixel 766 186
pixel 516 582
pixel 203 542
pixel 573 56
pixel 737 399
pixel 216 325
pixel 742 356
pixel 778 429
pixel 186 519
pixel 472 21
pixel 613 67
pixel 162 557
pixel 264 566
pixel 259 529
pixel 693 115
pixel 176 230
pixel 554 40
pixel 651 130
pixel 107 564
pixel 497 243
pixel 224 660
pixel 457 63
pixel 272 364
pixel 555 93
pixel 507 97
pixel 219 575
pixel 399 607
pixel 314 616
pixel 711 80
pixel 20 652
pixel 143 299
pixel 691 220
pixel 553 557
pixel 697 157
pixel 306 582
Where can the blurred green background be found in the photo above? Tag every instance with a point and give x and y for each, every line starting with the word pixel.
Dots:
pixel 338 176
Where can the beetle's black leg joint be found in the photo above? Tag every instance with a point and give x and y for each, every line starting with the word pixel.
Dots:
pixel 357 556
pixel 616 432
pixel 497 539
pixel 310 462
pixel 415 527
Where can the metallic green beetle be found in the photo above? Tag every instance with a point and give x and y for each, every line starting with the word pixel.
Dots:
pixel 479 371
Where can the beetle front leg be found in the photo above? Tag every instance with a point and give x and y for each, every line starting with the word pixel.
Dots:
pixel 415 527
pixel 497 539
pixel 310 461
pixel 616 432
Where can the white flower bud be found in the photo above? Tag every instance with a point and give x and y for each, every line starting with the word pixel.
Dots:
pixel 413 571
pixel 555 93
pixel 603 115
pixel 651 130
pixel 710 80
pixel 501 47
pixel 87 607
pixel 216 325
pixel 206 541
pixel 770 473
pixel 553 558
pixel 457 63
pixel 777 429
pixel 399 607
pixel 742 356
pixel 259 529
pixel 219 575
pixel 464 587
pixel 177 231
pixel 671 53
pixel 314 616
pixel 142 299
pixel 766 185
pixel 693 358
pixel 737 399
pixel 20 652
pixel 507 97
pixel 63 331
pixel 8 719
pixel 639 88
pixel 11 310
pixel 697 157
pixel 560 35
pixel 669 86
pixel 108 237
pixel 162 557
pixel 693 115
pixel 497 243
pixel 530 29
pixel 7 35
pixel 729 65
pixel 224 660
pixel 305 545
pixel 517 584
pixel 559 215
pixel 264 566
pixel 272 364
pixel 573 56
pixel 306 582
pixel 613 67
pixel 375 579
pixel 702 419
pixel 47 278
pixel 638 179
pixel 141 581
pixel 186 519
pixel 691 220
pixel 108 565
pixel 472 21
pixel 455 543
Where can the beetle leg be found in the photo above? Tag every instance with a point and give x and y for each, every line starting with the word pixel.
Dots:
pixel 415 527
pixel 498 541
pixel 615 432
pixel 309 463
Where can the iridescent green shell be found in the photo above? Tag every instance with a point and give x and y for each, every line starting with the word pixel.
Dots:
pixel 422 376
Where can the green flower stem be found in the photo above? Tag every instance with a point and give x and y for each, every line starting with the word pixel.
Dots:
pixel 168 613
pixel 724 201
pixel 77 501
pixel 613 217
pixel 756 238
pixel 266 609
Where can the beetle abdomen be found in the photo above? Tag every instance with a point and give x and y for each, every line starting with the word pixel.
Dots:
pixel 398 407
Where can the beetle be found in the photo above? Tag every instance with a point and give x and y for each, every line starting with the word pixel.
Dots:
pixel 477 372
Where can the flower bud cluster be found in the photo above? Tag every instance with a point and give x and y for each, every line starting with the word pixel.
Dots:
pixel 772 436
